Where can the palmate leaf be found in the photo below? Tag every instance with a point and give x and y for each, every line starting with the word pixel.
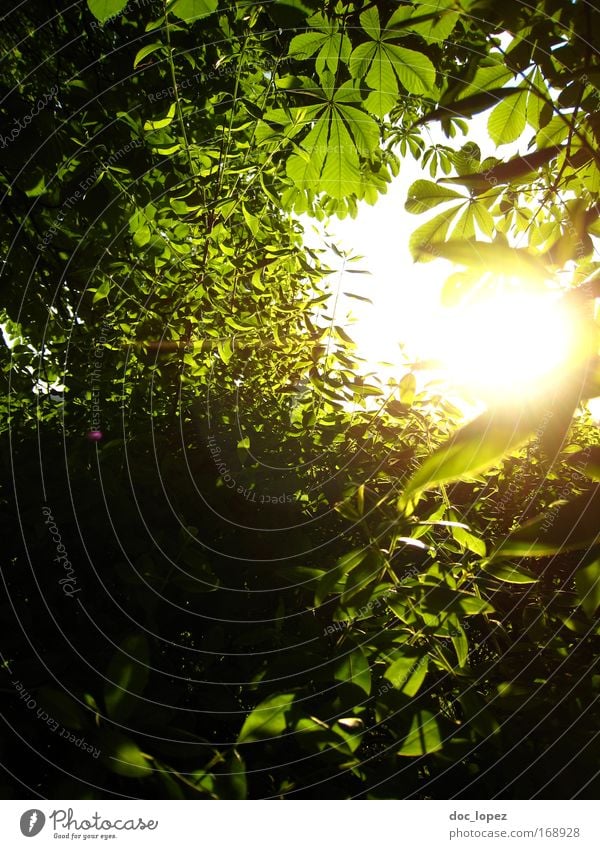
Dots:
pixel 493 73
pixel 369 21
pixel 305 45
pixel 329 156
pixel 383 65
pixel 362 127
pixel 326 40
pixel 465 226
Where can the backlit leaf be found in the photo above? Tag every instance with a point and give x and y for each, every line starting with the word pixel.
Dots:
pixel 424 195
pixel 103 10
pixel 424 736
pixel 474 447
pixel 587 582
pixel 508 119
pixel 354 669
pixel 509 574
pixel 268 719
pixel 564 526
pixel 126 675
pixel 193 10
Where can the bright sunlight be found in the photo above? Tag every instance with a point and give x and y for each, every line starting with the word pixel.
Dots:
pixel 500 347
pixel 493 348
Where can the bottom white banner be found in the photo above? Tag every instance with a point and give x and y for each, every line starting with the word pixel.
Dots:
pixel 429 823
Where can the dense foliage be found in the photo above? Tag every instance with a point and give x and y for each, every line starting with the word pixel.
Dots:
pixel 235 564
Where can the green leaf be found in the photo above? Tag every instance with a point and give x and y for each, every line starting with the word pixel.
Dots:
pixel 103 10
pixel 407 673
pixel 464 228
pixel 331 44
pixel 486 77
pixel 443 600
pixel 467 107
pixel 587 462
pixel 341 175
pixel 510 574
pixel 123 756
pixel 483 219
pixel 354 669
pixel 141 237
pixel 268 719
pixel 302 171
pixel 148 50
pixel 35 184
pixel 407 388
pixel 361 575
pixel 382 65
pixel 344 565
pixel 442 22
pixel 414 70
pixel 62 707
pixel 426 240
pixel 305 45
pixel 369 21
pixel 237 776
pixel 587 583
pixel 193 10
pixel 381 79
pixel 468 540
pixel 424 736
pixel 565 526
pixel 225 349
pixel 461 644
pixel 126 675
pixel 485 255
pixel 101 292
pixel 508 119
pixel 363 128
pixel 473 448
pixel 424 195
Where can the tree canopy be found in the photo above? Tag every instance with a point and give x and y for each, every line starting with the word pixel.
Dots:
pixel 243 566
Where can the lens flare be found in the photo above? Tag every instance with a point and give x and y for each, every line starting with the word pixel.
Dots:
pixel 503 346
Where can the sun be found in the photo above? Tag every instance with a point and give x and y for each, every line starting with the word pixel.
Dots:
pixel 502 346
pixel 508 341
